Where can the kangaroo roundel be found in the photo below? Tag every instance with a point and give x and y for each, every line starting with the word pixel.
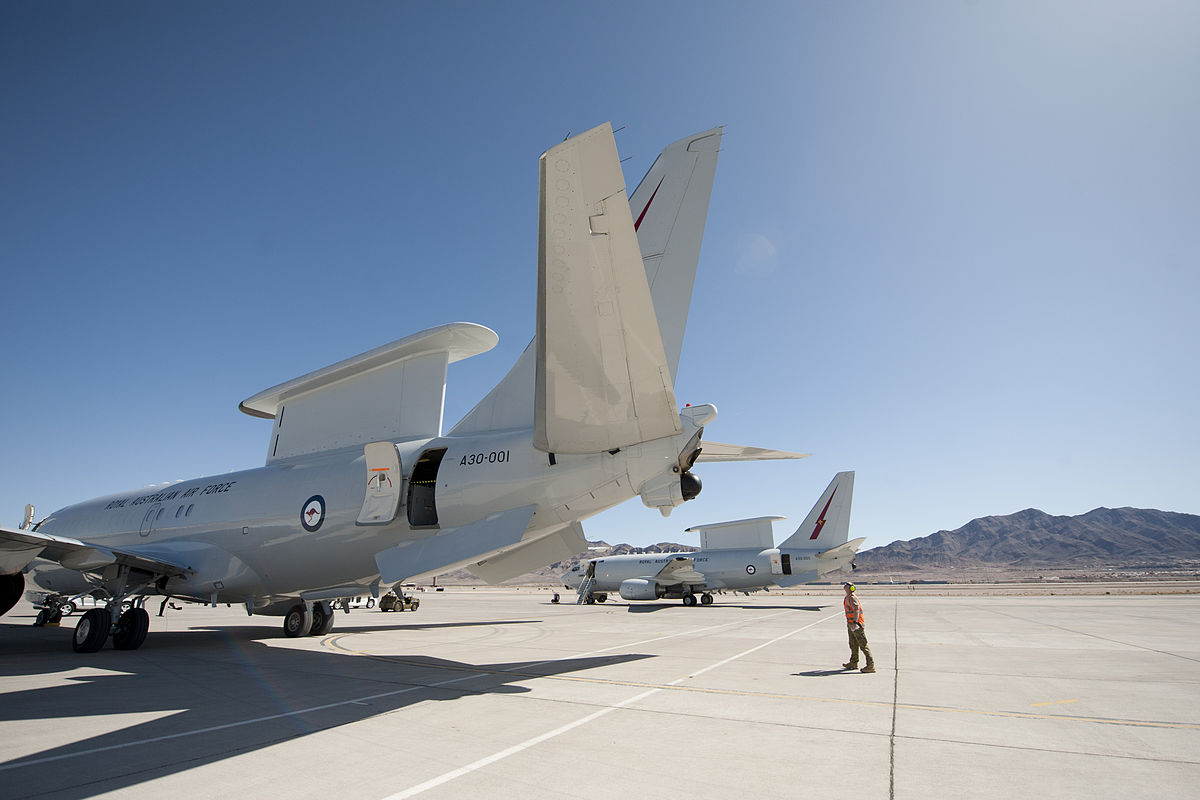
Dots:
pixel 313 513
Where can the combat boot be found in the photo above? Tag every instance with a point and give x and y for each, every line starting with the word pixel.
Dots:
pixel 850 665
pixel 870 667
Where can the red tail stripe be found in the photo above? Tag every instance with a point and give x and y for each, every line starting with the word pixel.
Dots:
pixel 821 519
pixel 642 216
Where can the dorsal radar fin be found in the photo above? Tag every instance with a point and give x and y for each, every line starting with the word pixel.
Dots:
pixel 394 392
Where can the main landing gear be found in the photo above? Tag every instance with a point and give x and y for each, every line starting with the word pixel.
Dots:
pixel 689 599
pixel 96 625
pixel 308 619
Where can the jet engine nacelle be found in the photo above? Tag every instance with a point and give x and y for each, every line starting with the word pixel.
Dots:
pixel 640 589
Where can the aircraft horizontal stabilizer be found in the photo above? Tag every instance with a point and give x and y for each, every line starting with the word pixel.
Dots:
pixel 454 547
pixel 842 550
pixel 718 451
pixel 18 548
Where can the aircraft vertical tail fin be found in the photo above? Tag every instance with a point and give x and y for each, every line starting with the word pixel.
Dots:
pixel 669 209
pixel 828 524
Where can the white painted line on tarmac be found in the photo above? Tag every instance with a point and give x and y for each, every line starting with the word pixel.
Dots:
pixel 734 624
pixel 536 740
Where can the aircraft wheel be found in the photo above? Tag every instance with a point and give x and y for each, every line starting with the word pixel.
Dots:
pixel 602 597
pixel 689 599
pixel 132 627
pixel 42 617
pixel 11 589
pixel 298 621
pixel 322 619
pixel 92 631
pixel 706 599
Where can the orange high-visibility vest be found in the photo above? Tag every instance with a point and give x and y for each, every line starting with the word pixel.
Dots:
pixel 854 615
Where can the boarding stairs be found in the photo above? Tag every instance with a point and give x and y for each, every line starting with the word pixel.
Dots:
pixel 585 588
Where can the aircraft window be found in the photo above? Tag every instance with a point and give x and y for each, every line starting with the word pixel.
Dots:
pixel 159 514
pixel 188 513
pixel 178 511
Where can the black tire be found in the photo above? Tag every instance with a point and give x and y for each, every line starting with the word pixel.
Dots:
pixel 322 619
pixel 92 630
pixel 297 622
pixel 706 599
pixel 42 617
pixel 11 589
pixel 132 627
pixel 689 599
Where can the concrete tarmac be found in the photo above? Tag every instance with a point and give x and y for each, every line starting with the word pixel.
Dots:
pixel 500 694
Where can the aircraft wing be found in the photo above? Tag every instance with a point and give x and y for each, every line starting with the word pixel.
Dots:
pixel 719 451
pixel 18 548
pixel 680 570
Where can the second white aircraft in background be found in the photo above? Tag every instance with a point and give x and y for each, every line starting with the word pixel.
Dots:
pixel 739 555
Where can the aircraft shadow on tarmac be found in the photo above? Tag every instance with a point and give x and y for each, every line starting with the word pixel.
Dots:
pixel 220 693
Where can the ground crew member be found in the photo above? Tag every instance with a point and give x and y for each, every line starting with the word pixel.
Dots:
pixel 858 634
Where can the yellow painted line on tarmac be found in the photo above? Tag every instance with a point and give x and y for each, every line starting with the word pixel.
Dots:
pixel 1056 702
pixel 334 641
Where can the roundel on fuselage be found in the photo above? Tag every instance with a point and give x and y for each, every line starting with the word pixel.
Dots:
pixel 313 513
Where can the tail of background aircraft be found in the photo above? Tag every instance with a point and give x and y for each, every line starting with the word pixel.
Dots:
pixel 669 209
pixel 828 524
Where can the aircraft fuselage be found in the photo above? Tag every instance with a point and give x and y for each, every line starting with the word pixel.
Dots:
pixel 732 569
pixel 238 531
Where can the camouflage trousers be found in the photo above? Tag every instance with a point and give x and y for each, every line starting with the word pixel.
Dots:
pixel 858 641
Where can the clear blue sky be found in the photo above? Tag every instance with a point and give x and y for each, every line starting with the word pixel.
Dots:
pixel 952 246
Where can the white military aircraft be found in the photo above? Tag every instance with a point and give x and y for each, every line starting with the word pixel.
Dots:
pixel 361 486
pixel 739 555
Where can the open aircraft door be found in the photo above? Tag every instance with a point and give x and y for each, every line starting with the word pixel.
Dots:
pixel 384 484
